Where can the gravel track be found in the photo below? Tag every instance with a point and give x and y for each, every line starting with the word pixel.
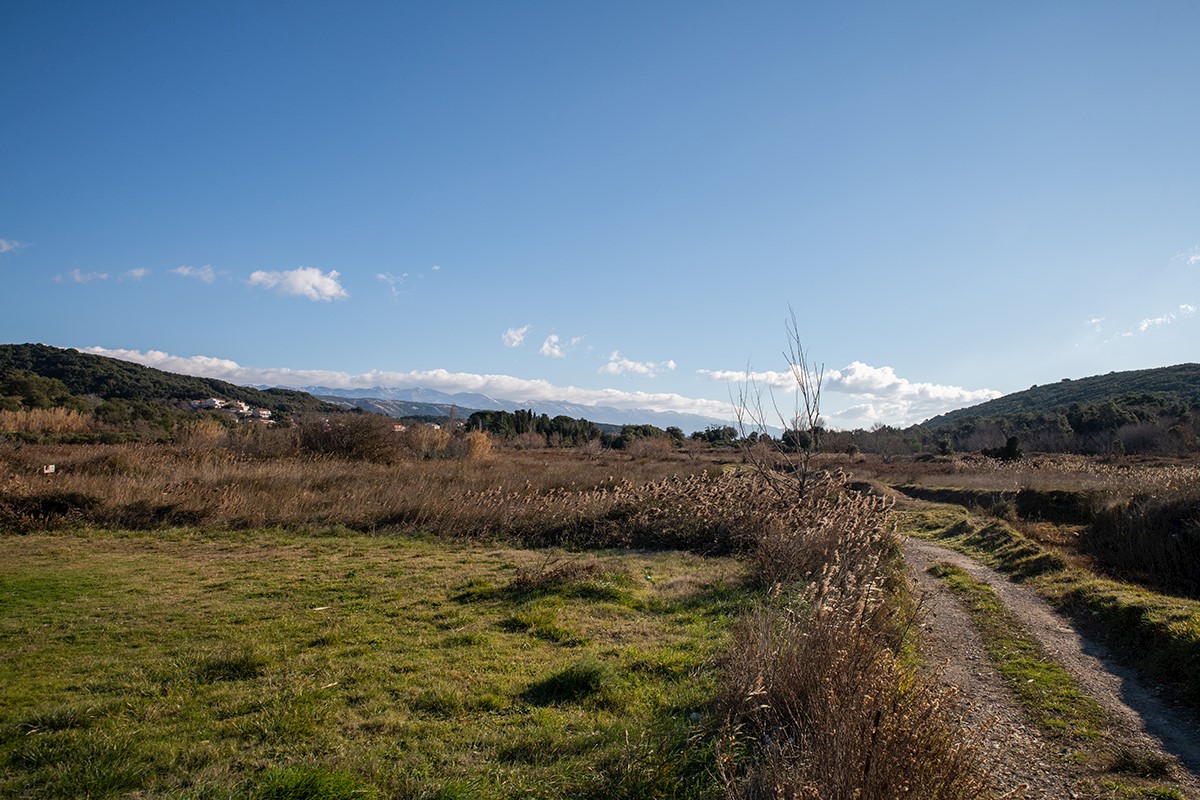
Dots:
pixel 1024 762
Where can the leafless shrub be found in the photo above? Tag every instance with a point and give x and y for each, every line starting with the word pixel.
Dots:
pixel 359 437
pixel 817 703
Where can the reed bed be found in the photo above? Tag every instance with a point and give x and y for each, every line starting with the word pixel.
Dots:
pixel 524 494
pixel 53 421
pixel 818 699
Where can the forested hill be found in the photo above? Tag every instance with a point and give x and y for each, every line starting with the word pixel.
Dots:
pixel 1177 386
pixel 110 378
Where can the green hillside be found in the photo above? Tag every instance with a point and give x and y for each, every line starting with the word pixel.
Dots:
pixel 84 375
pixel 1148 411
pixel 1178 385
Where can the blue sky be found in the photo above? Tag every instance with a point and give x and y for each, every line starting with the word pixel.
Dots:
pixel 607 202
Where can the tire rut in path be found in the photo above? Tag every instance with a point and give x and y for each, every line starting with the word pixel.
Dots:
pixel 1138 719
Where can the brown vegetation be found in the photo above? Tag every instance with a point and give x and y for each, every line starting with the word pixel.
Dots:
pixel 818 698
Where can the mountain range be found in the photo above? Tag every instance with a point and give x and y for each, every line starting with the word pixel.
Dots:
pixel 419 401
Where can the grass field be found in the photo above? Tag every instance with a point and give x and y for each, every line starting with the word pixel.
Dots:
pixel 328 664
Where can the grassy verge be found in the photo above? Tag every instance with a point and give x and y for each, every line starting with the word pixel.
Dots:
pixel 1156 633
pixel 275 664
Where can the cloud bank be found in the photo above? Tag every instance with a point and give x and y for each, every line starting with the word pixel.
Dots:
pixel 877 394
pixel 506 386
pixel 307 282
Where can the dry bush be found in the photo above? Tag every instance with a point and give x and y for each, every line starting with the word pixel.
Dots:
pixel 817 705
pixel 815 699
pixel 471 446
pixel 425 441
pixel 651 447
pixel 554 571
pixel 201 431
pixel 358 437
pixel 44 421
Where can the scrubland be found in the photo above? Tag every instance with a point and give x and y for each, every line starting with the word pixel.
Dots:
pixel 214 619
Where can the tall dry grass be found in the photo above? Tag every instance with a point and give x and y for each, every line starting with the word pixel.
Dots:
pixel 817 700
pixel 44 421
pixel 251 481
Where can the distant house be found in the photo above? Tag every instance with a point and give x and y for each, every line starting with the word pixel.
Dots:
pixel 238 406
pixel 261 413
pixel 209 403
pixel 399 427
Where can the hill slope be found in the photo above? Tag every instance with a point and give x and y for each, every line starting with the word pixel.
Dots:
pixel 109 378
pixel 1179 384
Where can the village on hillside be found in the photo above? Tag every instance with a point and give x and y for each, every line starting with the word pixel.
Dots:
pixel 238 409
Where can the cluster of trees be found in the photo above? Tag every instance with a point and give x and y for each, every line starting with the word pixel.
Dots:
pixel 564 431
pixel 1149 424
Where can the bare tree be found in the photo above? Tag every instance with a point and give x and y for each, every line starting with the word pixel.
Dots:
pixel 785 463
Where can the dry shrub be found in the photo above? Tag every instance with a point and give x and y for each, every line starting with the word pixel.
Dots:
pixel 553 572
pixel 651 447
pixel 425 441
pixel 201 432
pixel 817 704
pixel 358 437
pixel 834 526
pixel 44 420
pixel 815 698
pixel 471 446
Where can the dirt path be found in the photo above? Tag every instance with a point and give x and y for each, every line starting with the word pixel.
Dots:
pixel 1024 762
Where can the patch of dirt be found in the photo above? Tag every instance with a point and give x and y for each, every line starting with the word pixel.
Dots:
pixel 1023 761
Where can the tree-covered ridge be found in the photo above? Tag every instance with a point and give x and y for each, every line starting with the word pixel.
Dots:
pixel 1178 385
pixel 84 374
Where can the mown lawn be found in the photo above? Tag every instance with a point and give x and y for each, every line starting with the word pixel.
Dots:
pixel 278 664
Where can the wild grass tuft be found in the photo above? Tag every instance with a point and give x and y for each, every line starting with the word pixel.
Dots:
pixel 585 679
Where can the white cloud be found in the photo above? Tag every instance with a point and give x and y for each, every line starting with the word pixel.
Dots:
pixel 436 267
pixel 506 386
pixel 82 277
pixel 554 347
pixel 1183 311
pixel 880 392
pixel 307 282
pixel 619 365
pixel 1189 257
pixel 135 274
pixel 394 282
pixel 9 245
pixel 205 273
pixel 513 337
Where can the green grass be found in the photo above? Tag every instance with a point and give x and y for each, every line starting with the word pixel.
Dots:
pixel 1041 685
pixel 270 664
